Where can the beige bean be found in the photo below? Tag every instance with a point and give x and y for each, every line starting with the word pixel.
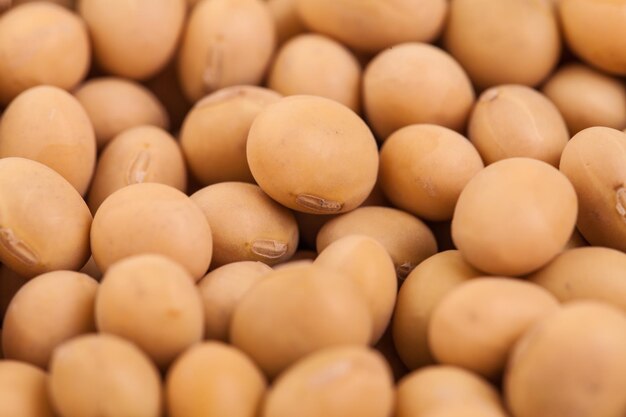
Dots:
pixel 47 311
pixel 246 224
pixel 41 43
pixel 514 216
pixel 44 234
pixel 415 83
pixel 524 40
pixel 116 104
pixel 407 239
pixel 214 379
pixel 133 39
pixel 151 218
pixel 138 155
pixel 314 307
pixel 225 43
pixel 215 132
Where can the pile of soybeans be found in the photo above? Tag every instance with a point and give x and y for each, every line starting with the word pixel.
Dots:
pixel 312 208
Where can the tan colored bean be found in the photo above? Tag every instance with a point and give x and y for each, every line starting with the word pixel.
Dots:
pixel 225 43
pixel 212 378
pixel 246 224
pixel 47 311
pixel 415 83
pixel 314 307
pixel 23 390
pixel 516 121
pixel 375 25
pixel 514 216
pixel 477 324
pixel 432 390
pixel 570 363
pixel 407 239
pixel 524 44
pixel 222 289
pixel 151 218
pixel 587 97
pixel 419 295
pixel 151 301
pixel 316 65
pixel 138 155
pixel 45 222
pixel 367 263
pixel 595 163
pixel 48 125
pixel 85 375
pixel 41 43
pixel 424 168
pixel 133 39
pixel 594 30
pixel 215 132
pixel 587 273
pixel 116 104
pixel 334 382
pixel 325 164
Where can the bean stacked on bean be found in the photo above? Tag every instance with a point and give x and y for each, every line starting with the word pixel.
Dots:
pixel 312 208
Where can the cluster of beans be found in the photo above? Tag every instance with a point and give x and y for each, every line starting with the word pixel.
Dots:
pixel 313 208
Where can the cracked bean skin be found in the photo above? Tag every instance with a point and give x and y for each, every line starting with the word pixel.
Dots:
pixel 595 162
pixel 44 222
pixel 312 154
pixel 246 224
